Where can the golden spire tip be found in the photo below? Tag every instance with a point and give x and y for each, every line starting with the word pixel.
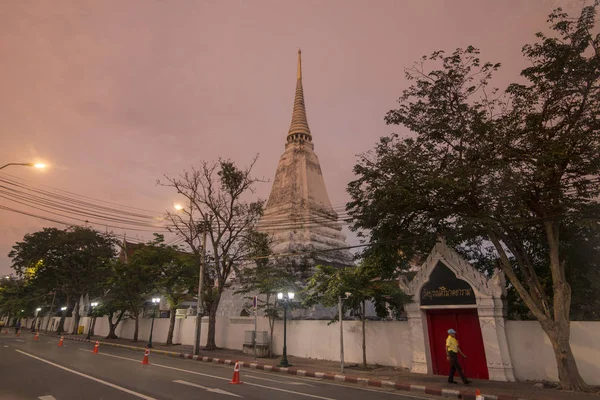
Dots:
pixel 299 64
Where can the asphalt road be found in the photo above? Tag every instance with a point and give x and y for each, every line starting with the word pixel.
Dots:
pixel 42 370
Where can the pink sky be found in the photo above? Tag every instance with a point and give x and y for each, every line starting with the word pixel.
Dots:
pixel 113 94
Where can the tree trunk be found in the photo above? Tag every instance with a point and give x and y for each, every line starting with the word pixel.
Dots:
pixel 113 326
pixel 568 372
pixel 61 323
pixel 137 328
pixel 171 326
pixel 364 336
pixel 271 327
pixel 76 318
pixel 555 322
pixel 93 326
pixel 212 323
pixel 559 331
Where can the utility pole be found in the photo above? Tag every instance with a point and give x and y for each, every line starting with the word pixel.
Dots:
pixel 200 304
pixel 341 317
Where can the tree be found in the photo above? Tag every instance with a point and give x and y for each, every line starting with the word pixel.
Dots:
pixel 511 169
pixel 18 298
pixel 215 205
pixel 174 273
pixel 72 261
pixel 270 276
pixel 580 249
pixel 357 286
pixel 130 283
pixel 114 309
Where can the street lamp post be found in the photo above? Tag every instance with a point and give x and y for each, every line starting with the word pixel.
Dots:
pixel 155 301
pixel 34 165
pixel 287 299
pixel 89 333
pixel 200 305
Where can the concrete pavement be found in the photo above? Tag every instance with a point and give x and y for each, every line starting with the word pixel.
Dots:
pixel 42 370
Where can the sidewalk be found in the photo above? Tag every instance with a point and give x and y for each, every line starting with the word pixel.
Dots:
pixel 380 376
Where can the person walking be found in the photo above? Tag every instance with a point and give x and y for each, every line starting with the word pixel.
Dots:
pixel 452 350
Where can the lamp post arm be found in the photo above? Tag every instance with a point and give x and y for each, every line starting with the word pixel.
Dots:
pixel 12 163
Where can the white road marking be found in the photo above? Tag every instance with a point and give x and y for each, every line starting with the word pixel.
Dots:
pixel 112 385
pixel 275 380
pixel 217 377
pixel 320 381
pixel 5 346
pixel 207 389
pixel 47 397
pixel 20 340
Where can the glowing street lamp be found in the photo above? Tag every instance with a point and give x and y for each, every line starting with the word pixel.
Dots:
pixel 155 301
pixel 286 299
pixel 34 165
pixel 63 308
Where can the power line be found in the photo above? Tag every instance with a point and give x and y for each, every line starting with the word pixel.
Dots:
pixel 88 209
pixel 79 195
pixel 61 221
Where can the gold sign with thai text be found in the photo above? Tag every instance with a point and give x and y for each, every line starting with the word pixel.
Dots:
pixel 444 288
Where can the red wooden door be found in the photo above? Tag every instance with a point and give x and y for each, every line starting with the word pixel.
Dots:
pixel 466 323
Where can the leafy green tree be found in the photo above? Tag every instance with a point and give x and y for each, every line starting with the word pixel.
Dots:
pixel 512 168
pixel 18 298
pixel 215 203
pixel 174 273
pixel 356 286
pixel 114 307
pixel 130 284
pixel 73 261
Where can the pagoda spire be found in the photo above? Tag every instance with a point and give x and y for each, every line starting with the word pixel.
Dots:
pixel 299 130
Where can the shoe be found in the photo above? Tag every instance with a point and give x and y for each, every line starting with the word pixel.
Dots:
pixel 452 382
pixel 466 382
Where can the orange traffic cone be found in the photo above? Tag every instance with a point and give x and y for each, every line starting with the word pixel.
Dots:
pixel 96 347
pixel 236 374
pixel 146 354
pixel 37 336
pixel 60 342
pixel 478 395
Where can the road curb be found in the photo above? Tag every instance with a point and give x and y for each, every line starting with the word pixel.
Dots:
pixel 399 386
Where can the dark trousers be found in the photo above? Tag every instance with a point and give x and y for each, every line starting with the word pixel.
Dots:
pixel 455 367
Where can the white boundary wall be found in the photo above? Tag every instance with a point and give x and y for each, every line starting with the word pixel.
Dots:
pixel 533 357
pixel 388 342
